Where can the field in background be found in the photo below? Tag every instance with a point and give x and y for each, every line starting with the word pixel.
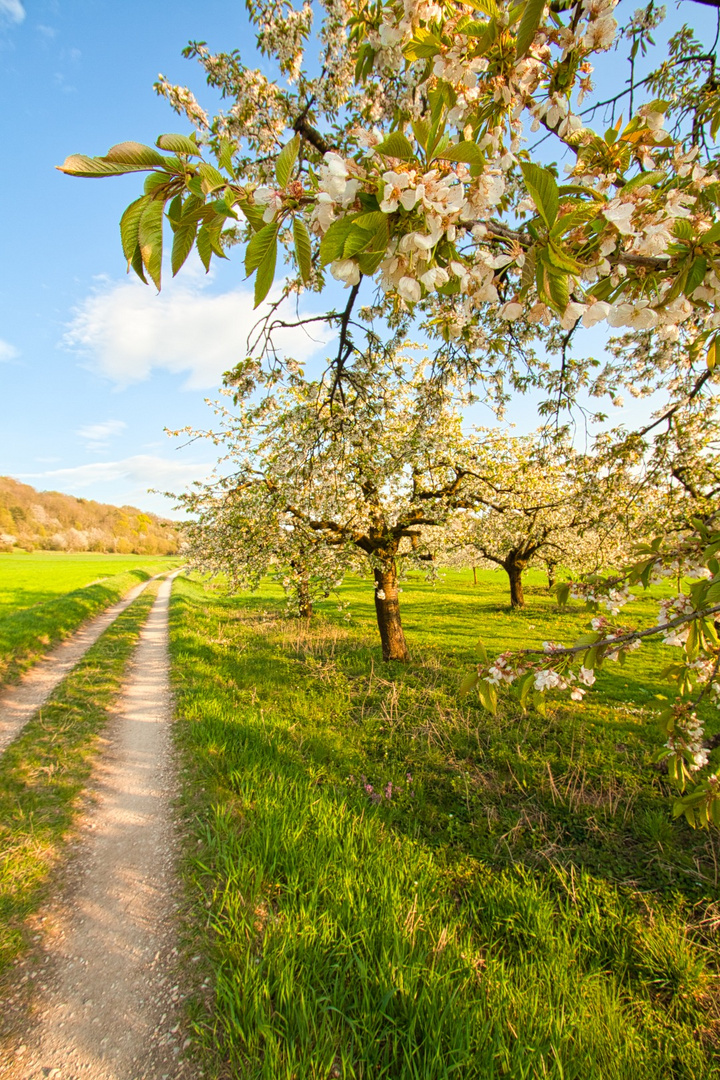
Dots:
pixel 36 577
pixel 40 604
pixel 388 882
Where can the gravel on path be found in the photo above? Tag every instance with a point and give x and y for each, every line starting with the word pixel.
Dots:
pixel 20 702
pixel 110 1002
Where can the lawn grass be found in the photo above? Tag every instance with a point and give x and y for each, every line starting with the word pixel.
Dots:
pixel 385 882
pixel 43 774
pixel 27 633
pixel 27 579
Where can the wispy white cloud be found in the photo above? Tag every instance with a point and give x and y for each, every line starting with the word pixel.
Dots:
pixel 125 481
pixel 98 435
pixel 7 351
pixel 12 10
pixel 127 331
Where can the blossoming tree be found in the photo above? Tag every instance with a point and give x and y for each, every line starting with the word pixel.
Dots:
pixel 371 477
pixel 537 499
pixel 389 149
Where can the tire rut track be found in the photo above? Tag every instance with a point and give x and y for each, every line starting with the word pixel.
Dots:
pixel 110 1003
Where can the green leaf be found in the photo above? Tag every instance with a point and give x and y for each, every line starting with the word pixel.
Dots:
pixel 133 153
pixel 150 238
pixel 225 157
pixel 182 245
pixel 286 161
pixel 683 229
pixel 212 179
pixel 129 226
pixel 357 240
pixel 259 246
pixel 696 275
pixel 482 650
pixel 253 213
pixel 561 260
pixel 303 248
pixel 651 178
pixel 333 242
pixel 531 16
pixel 265 273
pixel 396 145
pixel 466 151
pixel 487 693
pixel 79 165
pixel 562 591
pixel 543 190
pixel 469 683
pixel 205 247
pixel 178 144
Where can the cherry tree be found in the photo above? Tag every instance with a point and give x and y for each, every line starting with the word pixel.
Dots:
pixel 399 155
pixel 390 146
pixel 536 499
pixel 369 476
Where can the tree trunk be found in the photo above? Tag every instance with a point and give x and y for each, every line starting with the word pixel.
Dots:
pixel 514 572
pixel 474 575
pixel 304 598
pixel 387 610
pixel 551 574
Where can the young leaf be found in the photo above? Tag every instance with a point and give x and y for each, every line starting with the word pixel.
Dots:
pixel 469 683
pixel 182 245
pixel 482 651
pixel 333 242
pixel 79 165
pixel 712 354
pixel 150 238
pixel 303 249
pixel 265 273
pixel 532 13
pixel 543 190
pixel 396 145
pixel 178 144
pixel 466 151
pixel 259 246
pixel 286 161
pixel 130 224
pixel 133 153
pixel 212 179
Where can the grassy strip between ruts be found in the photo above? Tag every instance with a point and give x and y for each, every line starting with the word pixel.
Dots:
pixel 44 771
pixel 509 907
pixel 27 635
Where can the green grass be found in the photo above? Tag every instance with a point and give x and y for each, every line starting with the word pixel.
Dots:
pixel 43 774
pixel 27 634
pixel 521 906
pixel 35 578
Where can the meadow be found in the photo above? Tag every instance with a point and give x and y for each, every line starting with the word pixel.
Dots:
pixel 385 881
pixel 45 597
pixel 33 578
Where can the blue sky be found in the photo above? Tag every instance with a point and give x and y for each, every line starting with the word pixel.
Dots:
pixel 94 365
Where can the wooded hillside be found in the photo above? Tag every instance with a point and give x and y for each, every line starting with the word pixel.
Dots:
pixel 49 520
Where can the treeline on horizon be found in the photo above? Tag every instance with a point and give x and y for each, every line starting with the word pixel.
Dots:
pixel 33 520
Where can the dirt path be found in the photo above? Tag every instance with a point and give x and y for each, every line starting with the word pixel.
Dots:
pixel 109 1005
pixel 18 703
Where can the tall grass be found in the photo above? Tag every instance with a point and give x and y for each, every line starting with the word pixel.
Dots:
pixel 386 883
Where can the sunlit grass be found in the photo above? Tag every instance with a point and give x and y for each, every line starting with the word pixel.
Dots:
pixel 33 578
pixel 386 882
pixel 26 634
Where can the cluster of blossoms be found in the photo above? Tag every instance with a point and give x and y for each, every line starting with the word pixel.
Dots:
pixel 685 740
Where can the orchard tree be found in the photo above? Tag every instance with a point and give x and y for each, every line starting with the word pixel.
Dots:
pixel 398 155
pixel 537 498
pixel 372 475
pixel 396 151
pixel 235 530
